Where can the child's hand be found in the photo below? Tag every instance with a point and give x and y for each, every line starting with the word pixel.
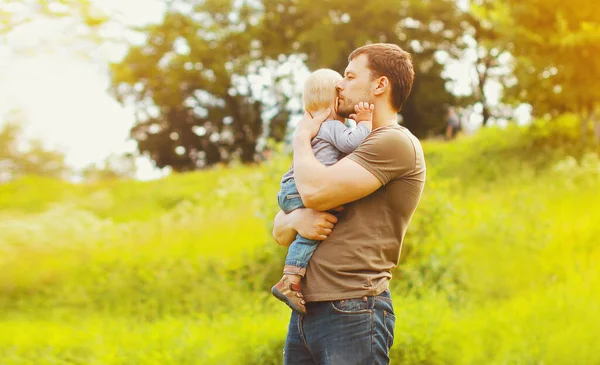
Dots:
pixel 364 112
pixel 309 125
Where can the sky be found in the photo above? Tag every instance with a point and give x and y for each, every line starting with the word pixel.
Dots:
pixel 64 93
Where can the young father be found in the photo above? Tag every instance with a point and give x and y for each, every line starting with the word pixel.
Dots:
pixel 350 319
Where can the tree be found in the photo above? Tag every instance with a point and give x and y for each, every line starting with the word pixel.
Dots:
pixel 557 45
pixel 328 33
pixel 19 157
pixel 491 34
pixel 86 18
pixel 113 167
pixel 196 86
pixel 199 82
pixel 14 13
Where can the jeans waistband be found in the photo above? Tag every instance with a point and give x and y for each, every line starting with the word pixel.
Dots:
pixel 370 299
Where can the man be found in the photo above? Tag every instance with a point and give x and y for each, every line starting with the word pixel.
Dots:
pixel 350 317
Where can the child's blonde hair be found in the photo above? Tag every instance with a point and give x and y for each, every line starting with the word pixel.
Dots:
pixel 319 90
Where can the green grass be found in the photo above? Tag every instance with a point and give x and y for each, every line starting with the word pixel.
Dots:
pixel 499 264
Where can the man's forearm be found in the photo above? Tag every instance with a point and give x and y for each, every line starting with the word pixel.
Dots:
pixel 308 223
pixel 308 171
pixel 283 232
pixel 325 187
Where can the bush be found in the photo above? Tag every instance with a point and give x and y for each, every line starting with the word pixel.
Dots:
pixel 498 265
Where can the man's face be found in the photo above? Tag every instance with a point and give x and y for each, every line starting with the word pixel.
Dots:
pixel 355 86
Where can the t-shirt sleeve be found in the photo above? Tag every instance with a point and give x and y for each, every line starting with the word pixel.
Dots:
pixel 387 154
pixel 343 138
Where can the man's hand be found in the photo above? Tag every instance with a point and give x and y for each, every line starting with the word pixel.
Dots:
pixel 309 223
pixel 309 126
pixel 315 225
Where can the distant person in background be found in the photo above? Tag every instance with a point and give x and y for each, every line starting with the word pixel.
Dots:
pixel 453 123
pixel 333 141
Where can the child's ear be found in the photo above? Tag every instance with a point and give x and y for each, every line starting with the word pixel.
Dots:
pixel 309 113
pixel 336 104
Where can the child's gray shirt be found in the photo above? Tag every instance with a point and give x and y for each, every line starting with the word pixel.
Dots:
pixel 333 142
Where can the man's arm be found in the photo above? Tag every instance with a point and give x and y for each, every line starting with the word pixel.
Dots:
pixel 383 156
pixel 324 187
pixel 283 232
pixel 309 223
pixel 320 187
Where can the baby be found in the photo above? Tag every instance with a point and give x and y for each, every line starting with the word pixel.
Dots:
pixel 334 141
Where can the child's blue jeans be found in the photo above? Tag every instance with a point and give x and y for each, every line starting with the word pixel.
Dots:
pixel 301 250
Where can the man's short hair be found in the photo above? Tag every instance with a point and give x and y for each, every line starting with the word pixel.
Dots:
pixel 391 61
pixel 319 89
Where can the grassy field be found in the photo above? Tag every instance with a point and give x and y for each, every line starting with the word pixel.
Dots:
pixel 499 264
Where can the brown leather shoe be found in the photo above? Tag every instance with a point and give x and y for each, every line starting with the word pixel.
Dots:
pixel 290 294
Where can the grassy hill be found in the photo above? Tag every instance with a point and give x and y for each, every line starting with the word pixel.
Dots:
pixel 499 265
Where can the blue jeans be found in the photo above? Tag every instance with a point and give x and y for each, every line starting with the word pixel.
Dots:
pixel 342 332
pixel 301 250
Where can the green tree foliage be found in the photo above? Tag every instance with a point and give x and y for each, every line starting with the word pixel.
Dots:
pixel 193 80
pixel 489 30
pixel 192 83
pixel 19 158
pixel 113 167
pixel 14 13
pixel 327 34
pixel 558 48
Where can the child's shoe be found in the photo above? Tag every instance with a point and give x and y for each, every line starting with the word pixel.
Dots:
pixel 290 294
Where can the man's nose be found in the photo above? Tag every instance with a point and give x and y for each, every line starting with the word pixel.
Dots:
pixel 339 86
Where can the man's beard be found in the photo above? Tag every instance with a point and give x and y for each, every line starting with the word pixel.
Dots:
pixel 346 108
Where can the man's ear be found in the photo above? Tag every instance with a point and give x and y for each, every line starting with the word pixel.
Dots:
pixel 383 83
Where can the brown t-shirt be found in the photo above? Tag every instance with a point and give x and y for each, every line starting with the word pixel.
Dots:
pixel 359 255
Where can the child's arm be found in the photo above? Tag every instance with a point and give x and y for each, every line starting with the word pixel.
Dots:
pixel 346 139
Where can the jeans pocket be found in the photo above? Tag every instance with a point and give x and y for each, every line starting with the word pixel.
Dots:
pixel 292 196
pixel 351 306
